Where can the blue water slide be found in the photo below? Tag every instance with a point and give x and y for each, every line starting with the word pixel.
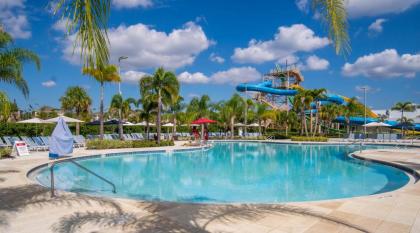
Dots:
pixel 264 87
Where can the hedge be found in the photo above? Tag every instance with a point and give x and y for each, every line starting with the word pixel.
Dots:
pixel 309 139
pixel 117 144
pixel 5 152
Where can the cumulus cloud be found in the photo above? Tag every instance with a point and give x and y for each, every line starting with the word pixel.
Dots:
pixel 60 25
pixel 360 8
pixel 214 58
pixel 14 19
pixel 149 48
pixel 193 78
pixel 132 76
pixel 49 84
pixel 385 64
pixel 376 27
pixel 287 41
pixel 132 3
pixel 315 63
pixel 232 76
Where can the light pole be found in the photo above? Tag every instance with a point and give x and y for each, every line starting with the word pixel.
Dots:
pixel 119 92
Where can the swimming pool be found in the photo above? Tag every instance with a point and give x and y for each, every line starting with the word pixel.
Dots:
pixel 232 172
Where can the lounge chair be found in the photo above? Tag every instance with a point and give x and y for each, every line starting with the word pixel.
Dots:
pixel 32 145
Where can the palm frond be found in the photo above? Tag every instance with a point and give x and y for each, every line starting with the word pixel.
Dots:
pixel 335 15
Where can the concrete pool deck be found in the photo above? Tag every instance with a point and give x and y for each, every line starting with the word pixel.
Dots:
pixel 27 207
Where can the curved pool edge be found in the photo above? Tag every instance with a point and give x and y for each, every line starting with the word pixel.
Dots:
pixel 413 175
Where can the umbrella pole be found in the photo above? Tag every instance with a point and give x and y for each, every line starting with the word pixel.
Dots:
pixel 202 133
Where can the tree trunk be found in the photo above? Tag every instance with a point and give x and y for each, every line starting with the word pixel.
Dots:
pixel 174 130
pixel 232 127
pixel 259 127
pixel 147 129
pixel 120 126
pixel 311 122
pixel 77 128
pixel 101 113
pixel 302 119
pixel 159 116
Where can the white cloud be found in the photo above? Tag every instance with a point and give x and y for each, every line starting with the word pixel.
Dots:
pixel 132 3
pixel 368 88
pixel 315 63
pixel 14 19
pixel 214 58
pixel 360 8
pixel 132 76
pixel 376 27
pixel 288 40
pixel 302 5
pixel 149 48
pixel 191 78
pixel 385 64
pixel 236 75
pixel 49 84
pixel 60 25
pixel 232 76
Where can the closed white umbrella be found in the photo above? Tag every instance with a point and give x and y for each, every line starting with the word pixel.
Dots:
pixel 128 124
pixel 168 125
pixel 143 123
pixel 239 124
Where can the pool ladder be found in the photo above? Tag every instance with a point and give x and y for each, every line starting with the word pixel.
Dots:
pixel 51 166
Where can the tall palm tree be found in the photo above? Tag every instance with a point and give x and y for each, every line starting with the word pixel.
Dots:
pixel 199 107
pixel 260 109
pixel 102 74
pixel 88 19
pixel 236 105
pixel 175 108
pixel 147 112
pixel 77 101
pixel 5 107
pixel 118 103
pixel 350 110
pixel 163 87
pixel 405 123
pixel 404 107
pixel 301 103
pixel 317 95
pixel 12 60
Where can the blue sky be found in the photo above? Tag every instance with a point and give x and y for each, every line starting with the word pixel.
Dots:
pixel 213 45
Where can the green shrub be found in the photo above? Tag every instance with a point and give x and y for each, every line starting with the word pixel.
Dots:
pixel 5 152
pixel 117 144
pixel 276 135
pixel 309 139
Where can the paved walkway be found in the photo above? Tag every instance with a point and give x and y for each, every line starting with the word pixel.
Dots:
pixel 27 207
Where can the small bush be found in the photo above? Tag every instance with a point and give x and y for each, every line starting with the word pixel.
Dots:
pixel 117 144
pixel 276 135
pixel 5 152
pixel 309 139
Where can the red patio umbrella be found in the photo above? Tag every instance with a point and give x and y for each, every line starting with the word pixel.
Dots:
pixel 201 122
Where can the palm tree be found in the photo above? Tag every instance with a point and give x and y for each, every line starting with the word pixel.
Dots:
pixel 317 95
pixel 236 107
pixel 175 108
pixel 302 102
pixel 260 109
pixel 163 87
pixel 103 74
pixel 199 107
pixel 350 110
pixel 88 19
pixel 404 107
pixel 405 123
pixel 11 63
pixel 76 100
pixel 147 112
pixel 5 107
pixel 118 103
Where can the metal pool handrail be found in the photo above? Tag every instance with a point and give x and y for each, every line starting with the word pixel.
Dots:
pixel 80 166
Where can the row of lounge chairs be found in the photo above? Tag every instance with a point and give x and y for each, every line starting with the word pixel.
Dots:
pixel 355 137
pixel 39 143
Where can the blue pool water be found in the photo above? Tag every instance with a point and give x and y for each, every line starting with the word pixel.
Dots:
pixel 233 172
